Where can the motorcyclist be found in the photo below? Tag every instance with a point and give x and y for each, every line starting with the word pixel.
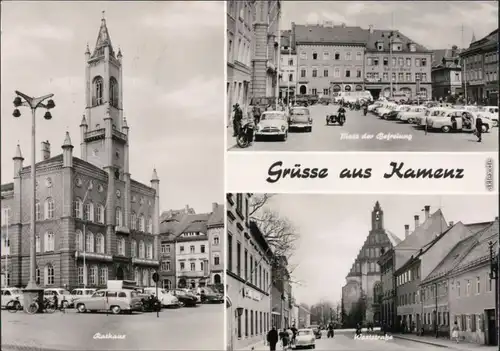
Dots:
pixel 238 116
pixel 358 329
pixel 341 111
pixel 365 108
pixel 331 329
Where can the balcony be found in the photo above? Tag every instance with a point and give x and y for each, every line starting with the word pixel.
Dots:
pixel 95 134
pixel 145 261
pixel 93 256
pixel 119 135
pixel 122 230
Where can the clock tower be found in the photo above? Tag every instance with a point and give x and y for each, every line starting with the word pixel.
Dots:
pixel 377 218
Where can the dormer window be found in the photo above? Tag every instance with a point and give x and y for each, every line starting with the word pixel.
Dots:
pixel 380 46
pixel 396 47
pixel 315 55
pixel 413 47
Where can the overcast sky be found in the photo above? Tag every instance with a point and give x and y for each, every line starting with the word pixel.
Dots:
pixel 333 229
pixel 173 71
pixel 433 24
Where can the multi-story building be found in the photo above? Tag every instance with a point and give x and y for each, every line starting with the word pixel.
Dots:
pixel 417 268
pixel 304 317
pixel 88 206
pixel 480 70
pixel 364 278
pixel 192 255
pixel 215 232
pixel 446 73
pixel 248 275
pixel 266 52
pixel 392 57
pixel 288 67
pixel 394 258
pixel 294 315
pixel 240 45
pixel 169 225
pixel 281 293
pixel 329 58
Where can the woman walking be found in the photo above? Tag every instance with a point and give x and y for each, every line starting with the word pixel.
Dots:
pixel 454 332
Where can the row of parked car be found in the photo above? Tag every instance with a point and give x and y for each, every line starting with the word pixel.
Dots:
pixel 444 117
pixel 279 123
pixel 120 298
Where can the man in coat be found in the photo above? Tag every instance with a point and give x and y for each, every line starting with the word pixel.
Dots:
pixel 479 128
pixel 272 338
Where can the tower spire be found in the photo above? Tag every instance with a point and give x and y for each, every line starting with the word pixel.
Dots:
pixel 473 38
pixel 103 40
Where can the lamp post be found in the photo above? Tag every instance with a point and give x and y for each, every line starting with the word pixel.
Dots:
pixel 494 274
pixel 390 61
pixel 33 103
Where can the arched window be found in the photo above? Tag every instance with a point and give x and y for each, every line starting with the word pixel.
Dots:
pixel 99 243
pixel 121 246
pixel 216 259
pixel 119 217
pixel 89 212
pixel 142 223
pixel 149 251
pixel 151 282
pixel 100 214
pixel 37 275
pixel 133 221
pixel 216 240
pixel 137 276
pixel 49 275
pixel 79 240
pixel 145 277
pixel 217 279
pixel 49 241
pixel 93 275
pixel 150 225
pixel 49 208
pixel 38 211
pixel 103 275
pixel 167 284
pixel 97 88
pixel 133 248
pixel 113 92
pixel 141 249
pixel 77 208
pixel 89 242
pixel 358 56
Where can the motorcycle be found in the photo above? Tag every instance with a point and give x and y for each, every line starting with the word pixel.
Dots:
pixel 338 118
pixel 246 135
pixel 151 304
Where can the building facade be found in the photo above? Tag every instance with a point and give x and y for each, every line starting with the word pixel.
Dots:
pixel 240 45
pixel 215 232
pixel 281 293
pixel 446 74
pixel 248 275
pixel 480 72
pixel 329 58
pixel 266 54
pixel 89 206
pixel 392 57
pixel 288 67
pixel 304 317
pixel 364 278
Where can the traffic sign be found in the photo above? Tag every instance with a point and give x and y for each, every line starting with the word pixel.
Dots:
pixel 156 277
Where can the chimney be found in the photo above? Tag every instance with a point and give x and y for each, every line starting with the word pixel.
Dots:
pixel 371 28
pixel 214 206
pixel 45 150
pixel 417 222
pixel 451 224
pixel 427 210
pixel 407 230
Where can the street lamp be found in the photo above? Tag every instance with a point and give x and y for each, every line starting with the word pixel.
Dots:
pixel 494 274
pixel 33 103
pixel 391 35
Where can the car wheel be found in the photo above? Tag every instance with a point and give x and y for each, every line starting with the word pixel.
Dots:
pixel 81 308
pixel 116 309
pixel 484 128
pixel 446 129
pixel 409 120
pixel 495 123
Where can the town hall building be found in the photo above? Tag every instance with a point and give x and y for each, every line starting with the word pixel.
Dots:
pixel 93 221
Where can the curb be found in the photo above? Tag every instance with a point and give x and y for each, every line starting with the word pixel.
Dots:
pixel 421 341
pixel 13 347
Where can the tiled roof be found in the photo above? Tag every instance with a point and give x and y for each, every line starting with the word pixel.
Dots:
pixel 325 34
pixel 193 223
pixel 382 35
pixel 477 227
pixel 425 233
pixel 217 216
pixel 286 37
pixel 393 238
pixel 174 213
pixel 7 187
pixel 490 39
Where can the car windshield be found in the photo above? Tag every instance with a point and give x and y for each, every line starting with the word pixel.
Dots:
pixel 305 332
pixel 209 290
pixel 268 116
pixel 63 292
pixel 299 112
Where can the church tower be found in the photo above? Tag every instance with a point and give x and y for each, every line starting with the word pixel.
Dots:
pixel 377 217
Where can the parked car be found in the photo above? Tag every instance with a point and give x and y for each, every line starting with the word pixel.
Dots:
pixel 208 295
pixel 116 301
pixel 300 118
pixel 412 114
pixel 491 112
pixel 64 298
pixel 272 123
pixel 305 338
pixel 166 298
pixel 79 293
pixel 9 294
pixel 187 299
pixel 464 121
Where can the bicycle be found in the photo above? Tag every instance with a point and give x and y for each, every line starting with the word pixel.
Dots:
pixel 14 305
pixel 47 305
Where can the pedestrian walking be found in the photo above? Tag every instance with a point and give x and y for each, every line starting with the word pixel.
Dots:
pixel 284 339
pixel 238 116
pixel 272 338
pixel 56 299
pixel 454 332
pixel 479 129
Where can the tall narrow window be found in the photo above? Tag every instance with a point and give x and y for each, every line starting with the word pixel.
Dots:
pixel 78 208
pixel 113 92
pixel 89 212
pixel 100 214
pixel 49 241
pixel 49 208
pixel 119 217
pixel 133 221
pixel 49 274
pixel 142 223
pixel 99 243
pixel 97 86
pixel 150 225
pixel 38 212
pixel 89 242
pixel 141 249
pixel 133 248
pixel 79 240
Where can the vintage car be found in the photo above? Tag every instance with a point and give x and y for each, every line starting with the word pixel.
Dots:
pixel 9 294
pixel 385 108
pixel 114 300
pixel 166 298
pixel 393 112
pixel 272 123
pixel 300 118
pixel 375 105
pixel 429 114
pixel 64 298
pixel 185 297
pixel 305 338
pixel 208 295
pixel 412 114
pixel 491 112
pixel 457 120
pixel 79 293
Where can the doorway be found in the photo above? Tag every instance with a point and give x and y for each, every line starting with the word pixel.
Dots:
pixel 303 90
pixel 491 328
pixel 119 274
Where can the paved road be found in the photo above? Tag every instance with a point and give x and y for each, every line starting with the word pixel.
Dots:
pixel 347 342
pixel 199 328
pixel 332 138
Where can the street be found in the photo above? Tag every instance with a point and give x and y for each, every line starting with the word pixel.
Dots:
pixel 337 138
pixel 199 328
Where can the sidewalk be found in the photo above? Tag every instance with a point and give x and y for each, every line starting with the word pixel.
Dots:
pixel 259 346
pixel 443 342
